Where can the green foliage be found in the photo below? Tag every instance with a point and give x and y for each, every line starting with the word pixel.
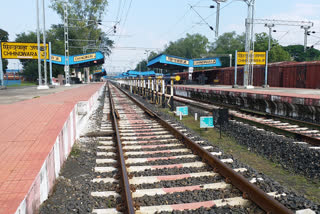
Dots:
pixel 142 65
pixel 262 42
pixel 227 43
pixel 4 36
pixel 297 53
pixel 84 17
pixel 278 54
pixel 79 9
pixel 30 67
pixel 193 46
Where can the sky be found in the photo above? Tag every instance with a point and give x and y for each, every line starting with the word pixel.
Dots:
pixel 148 25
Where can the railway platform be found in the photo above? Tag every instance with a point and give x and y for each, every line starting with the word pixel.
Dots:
pixel 293 102
pixel 36 136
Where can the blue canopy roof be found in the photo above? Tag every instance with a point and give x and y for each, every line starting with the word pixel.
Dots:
pixel 177 63
pixel 168 59
pixel 77 59
pixel 141 73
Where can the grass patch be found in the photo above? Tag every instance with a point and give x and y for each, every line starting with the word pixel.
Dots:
pixel 75 152
pixel 298 183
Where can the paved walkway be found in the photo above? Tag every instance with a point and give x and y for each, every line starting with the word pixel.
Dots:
pixel 28 130
pixel 16 94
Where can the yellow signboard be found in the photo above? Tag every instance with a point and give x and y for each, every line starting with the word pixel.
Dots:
pixel 84 57
pixel 16 50
pixel 56 58
pixel 259 58
pixel 205 62
pixel 177 60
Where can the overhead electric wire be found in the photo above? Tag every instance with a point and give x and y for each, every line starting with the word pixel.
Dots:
pixel 118 13
pixel 204 19
pixel 125 20
pixel 180 19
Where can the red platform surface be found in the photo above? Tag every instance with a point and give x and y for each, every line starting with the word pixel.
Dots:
pixel 28 131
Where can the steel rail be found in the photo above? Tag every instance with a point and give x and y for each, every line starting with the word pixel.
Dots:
pixel 128 202
pixel 299 136
pixel 248 111
pixel 249 190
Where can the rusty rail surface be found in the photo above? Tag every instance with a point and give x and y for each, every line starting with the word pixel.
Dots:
pixel 124 180
pixel 249 190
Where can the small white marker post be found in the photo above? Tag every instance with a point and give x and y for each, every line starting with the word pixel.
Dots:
pixel 180 115
pixel 195 116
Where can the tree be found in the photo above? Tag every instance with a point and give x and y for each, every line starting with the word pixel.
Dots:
pixel 30 67
pixel 142 65
pixel 276 54
pixel 297 53
pixel 84 17
pixel 262 42
pixel 227 43
pixel 4 36
pixel 193 46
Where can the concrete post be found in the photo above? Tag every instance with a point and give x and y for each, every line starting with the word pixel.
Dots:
pixel 235 70
pixel 266 71
pixel 50 64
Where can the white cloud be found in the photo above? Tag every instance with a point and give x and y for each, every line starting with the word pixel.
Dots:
pixel 289 35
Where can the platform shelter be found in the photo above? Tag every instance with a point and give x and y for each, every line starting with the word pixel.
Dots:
pixel 180 64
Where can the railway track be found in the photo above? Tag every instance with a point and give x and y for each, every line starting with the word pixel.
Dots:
pixel 304 132
pixel 159 169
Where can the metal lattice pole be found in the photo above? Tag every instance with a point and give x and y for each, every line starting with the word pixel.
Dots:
pixel 66 45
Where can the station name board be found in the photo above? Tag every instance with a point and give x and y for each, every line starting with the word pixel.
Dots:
pixel 258 58
pixel 205 62
pixel 56 58
pixel 84 57
pixel 177 60
pixel 16 50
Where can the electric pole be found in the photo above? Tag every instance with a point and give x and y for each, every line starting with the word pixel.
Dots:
pixel 249 44
pixel 270 26
pixel 44 46
pixel 218 15
pixel 38 41
pixel 66 45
